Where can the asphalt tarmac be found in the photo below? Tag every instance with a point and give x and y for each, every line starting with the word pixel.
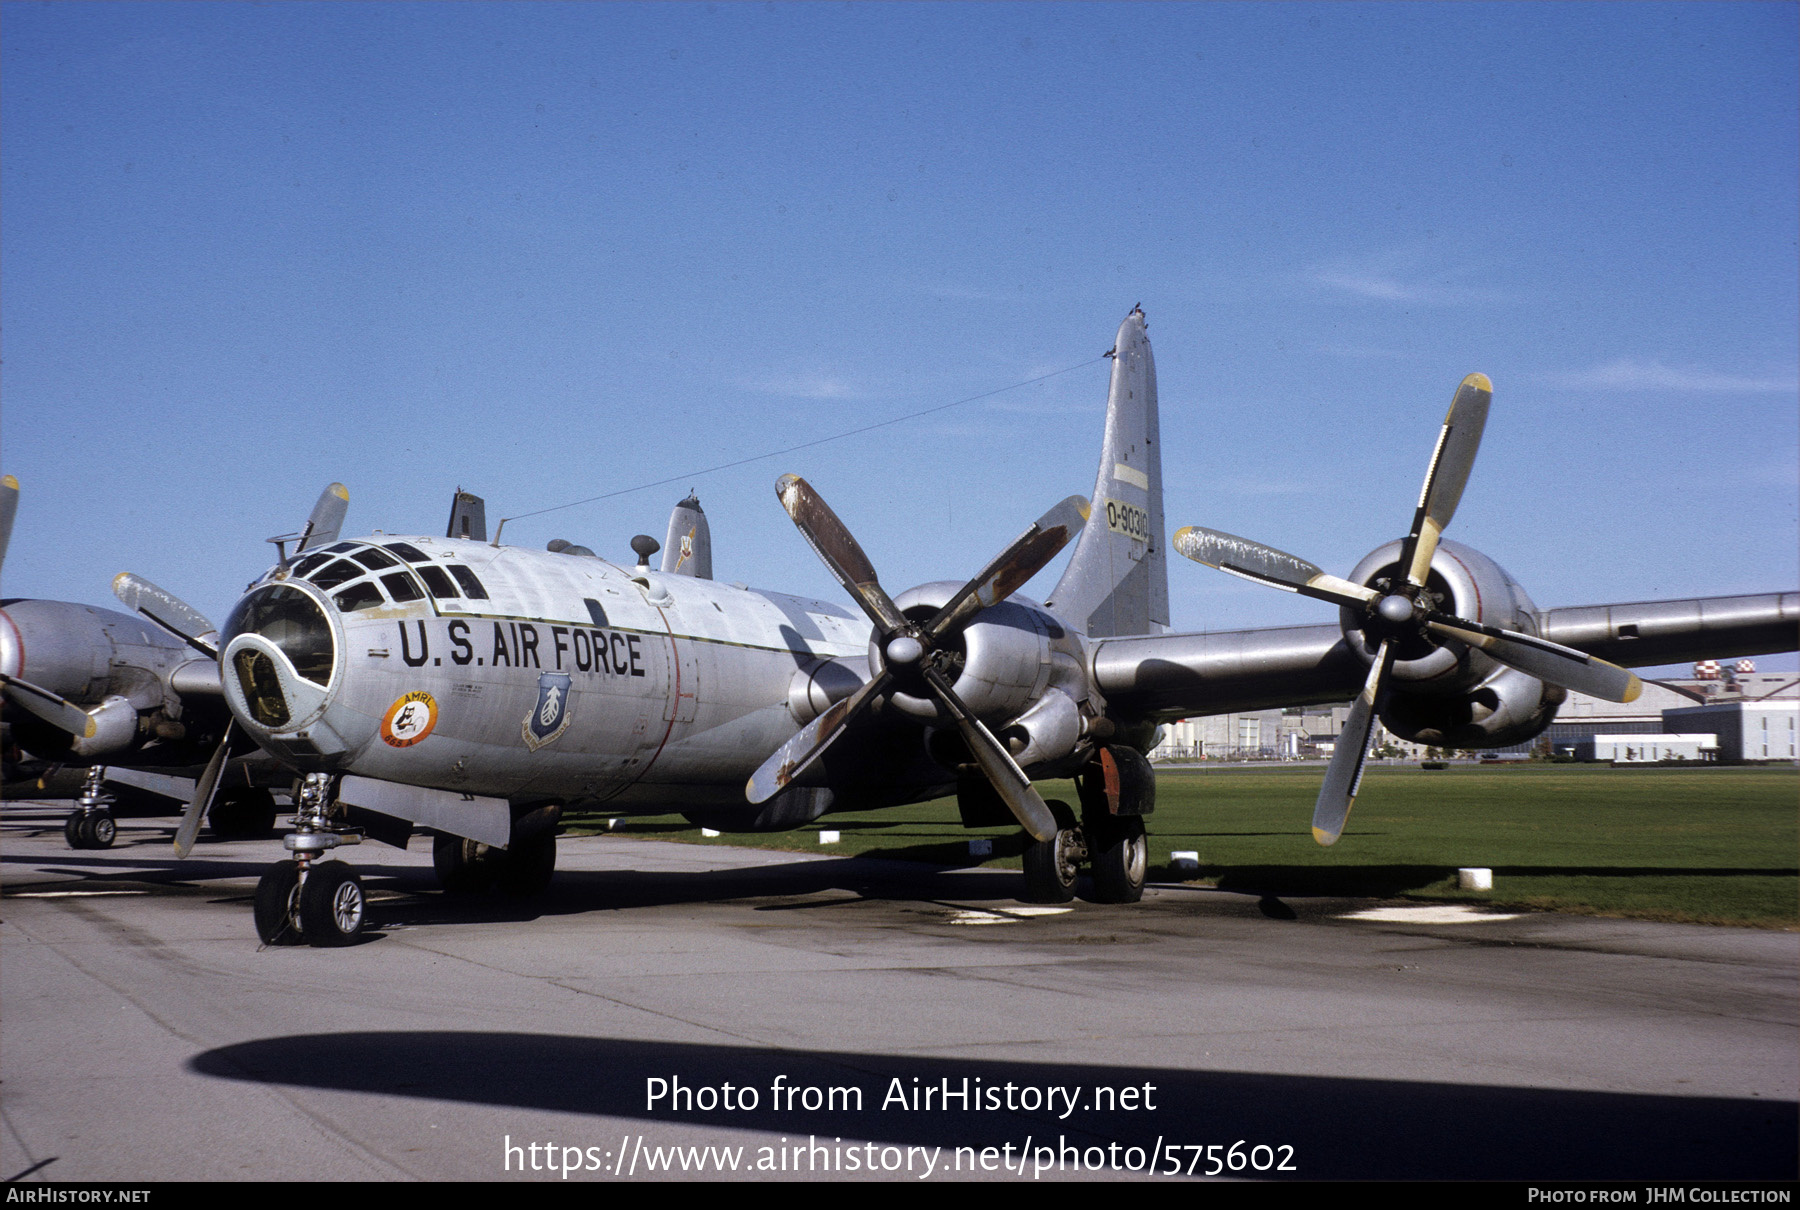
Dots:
pixel 669 1011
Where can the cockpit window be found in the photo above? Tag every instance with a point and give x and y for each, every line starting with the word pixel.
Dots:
pixel 471 586
pixel 437 581
pixel 403 586
pixel 308 563
pixel 292 621
pixel 374 559
pixel 337 573
pixel 361 595
pixel 409 552
pixel 340 548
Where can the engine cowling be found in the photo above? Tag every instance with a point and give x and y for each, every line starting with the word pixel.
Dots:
pixel 1443 692
pixel 1016 666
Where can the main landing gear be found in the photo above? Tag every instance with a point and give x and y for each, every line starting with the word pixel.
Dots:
pixel 309 899
pixel 91 824
pixel 1117 790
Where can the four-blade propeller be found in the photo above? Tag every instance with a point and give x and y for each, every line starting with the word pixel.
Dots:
pixel 918 653
pixel 1404 607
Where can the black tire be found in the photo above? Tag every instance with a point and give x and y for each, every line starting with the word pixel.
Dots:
pixel 242 814
pixel 277 904
pixel 1051 866
pixel 99 829
pixel 1119 858
pixel 73 832
pixel 464 867
pixel 525 869
pixel 332 908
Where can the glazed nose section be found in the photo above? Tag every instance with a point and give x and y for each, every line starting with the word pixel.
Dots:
pixel 279 659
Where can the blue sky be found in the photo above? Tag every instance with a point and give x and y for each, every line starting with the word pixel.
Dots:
pixel 547 252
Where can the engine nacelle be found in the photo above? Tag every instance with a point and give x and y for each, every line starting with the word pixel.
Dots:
pixel 1507 708
pixel 1020 670
pixel 1464 582
pixel 1442 692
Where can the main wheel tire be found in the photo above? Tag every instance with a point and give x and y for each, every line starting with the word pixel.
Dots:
pixel 1120 858
pixel 73 832
pixel 463 866
pixel 100 829
pixel 332 907
pixel 242 814
pixel 1051 866
pixel 278 905
pixel 526 867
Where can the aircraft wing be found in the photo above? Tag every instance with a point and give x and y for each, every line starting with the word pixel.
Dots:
pixel 1161 677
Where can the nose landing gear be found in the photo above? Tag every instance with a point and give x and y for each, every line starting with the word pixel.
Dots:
pixel 307 899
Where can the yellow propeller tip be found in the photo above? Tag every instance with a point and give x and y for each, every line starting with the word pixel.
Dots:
pixel 9 481
pixel 1634 690
pixel 1327 839
pixel 1479 382
pixel 340 491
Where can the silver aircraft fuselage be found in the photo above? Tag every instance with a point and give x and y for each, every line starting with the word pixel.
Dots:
pixel 515 673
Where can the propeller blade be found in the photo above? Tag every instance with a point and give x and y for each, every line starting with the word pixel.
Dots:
pixel 793 758
pixel 195 815
pixel 1448 474
pixel 1002 771
pixel 831 541
pixel 1543 659
pixel 1008 571
pixel 54 709
pixel 9 507
pixel 1344 776
pixel 327 518
pixel 1266 565
pixel 168 611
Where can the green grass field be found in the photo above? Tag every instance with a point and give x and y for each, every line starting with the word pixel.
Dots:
pixel 1712 845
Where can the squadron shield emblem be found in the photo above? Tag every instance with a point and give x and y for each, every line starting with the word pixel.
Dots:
pixel 550 717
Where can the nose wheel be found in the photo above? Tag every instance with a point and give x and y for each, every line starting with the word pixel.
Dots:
pixel 309 900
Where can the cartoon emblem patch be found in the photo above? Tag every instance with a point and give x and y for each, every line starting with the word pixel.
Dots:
pixel 550 717
pixel 409 720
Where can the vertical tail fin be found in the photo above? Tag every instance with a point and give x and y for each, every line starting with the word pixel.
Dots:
pixel 688 552
pixel 1117 582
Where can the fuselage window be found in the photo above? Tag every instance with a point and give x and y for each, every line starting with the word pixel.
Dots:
pixel 340 572
pixel 407 551
pixel 361 595
pixel 375 560
pixel 437 581
pixel 471 586
pixel 403 586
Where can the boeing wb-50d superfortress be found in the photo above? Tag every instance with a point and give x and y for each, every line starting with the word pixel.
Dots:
pixel 476 689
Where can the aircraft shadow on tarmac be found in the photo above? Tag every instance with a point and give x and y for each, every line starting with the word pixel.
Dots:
pixel 1339 1128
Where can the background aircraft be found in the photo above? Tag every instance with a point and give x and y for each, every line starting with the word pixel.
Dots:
pixel 475 689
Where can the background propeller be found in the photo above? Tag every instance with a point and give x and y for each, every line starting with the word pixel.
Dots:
pixel 914 651
pixel 1405 607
